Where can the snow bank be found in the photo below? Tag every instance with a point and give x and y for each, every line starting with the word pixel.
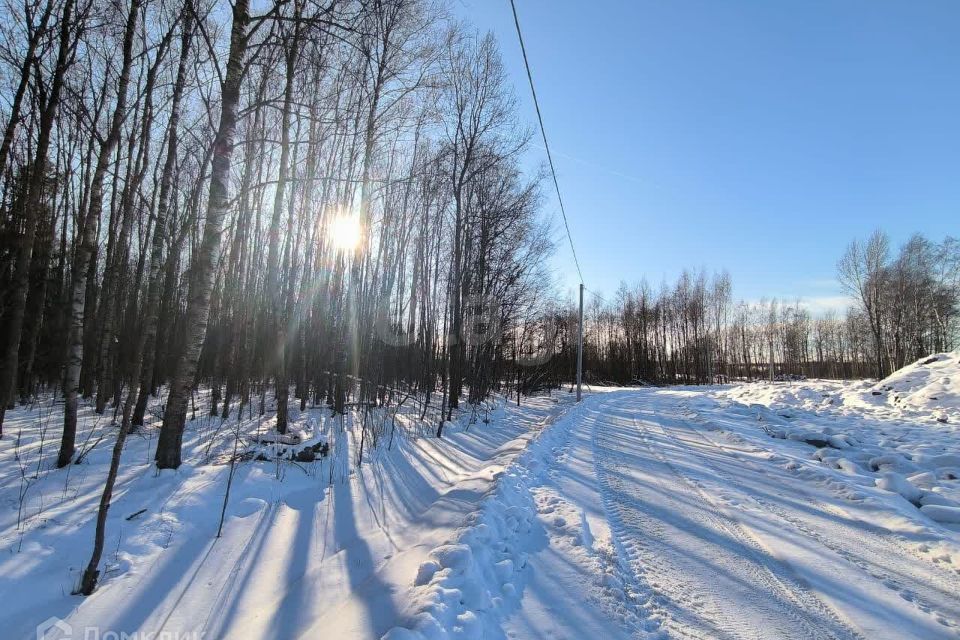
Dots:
pixel 899 435
pixel 928 388
pixel 307 548
pixel 461 589
pixel 784 425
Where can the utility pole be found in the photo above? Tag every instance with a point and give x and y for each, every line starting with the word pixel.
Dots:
pixel 580 345
pixel 771 358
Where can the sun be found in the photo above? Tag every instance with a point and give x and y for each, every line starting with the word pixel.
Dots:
pixel 345 232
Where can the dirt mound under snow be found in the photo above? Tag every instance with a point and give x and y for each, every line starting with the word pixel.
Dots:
pixel 929 384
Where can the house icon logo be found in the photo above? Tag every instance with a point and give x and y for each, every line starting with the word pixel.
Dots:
pixel 54 628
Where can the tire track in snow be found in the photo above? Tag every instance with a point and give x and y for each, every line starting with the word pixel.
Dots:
pixel 869 551
pixel 795 592
pixel 670 535
pixel 616 588
pixel 636 556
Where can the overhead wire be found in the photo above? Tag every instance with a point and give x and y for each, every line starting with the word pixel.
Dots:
pixel 595 294
pixel 543 133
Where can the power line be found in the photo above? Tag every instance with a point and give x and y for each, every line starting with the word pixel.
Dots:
pixel 594 293
pixel 543 132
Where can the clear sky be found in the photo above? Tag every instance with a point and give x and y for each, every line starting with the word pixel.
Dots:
pixel 756 135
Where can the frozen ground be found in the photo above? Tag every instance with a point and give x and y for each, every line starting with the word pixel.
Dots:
pixel 768 510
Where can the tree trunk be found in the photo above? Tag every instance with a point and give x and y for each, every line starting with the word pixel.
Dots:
pixel 202 273
pixel 86 248
pixel 148 332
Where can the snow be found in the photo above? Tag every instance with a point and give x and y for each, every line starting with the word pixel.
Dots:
pixel 802 509
pixel 305 546
pixel 471 588
pixel 906 424
pixel 763 510
pixel 941 513
pixel 891 481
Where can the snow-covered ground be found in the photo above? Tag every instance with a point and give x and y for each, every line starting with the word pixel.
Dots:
pixel 752 511
pixel 810 509
pixel 307 548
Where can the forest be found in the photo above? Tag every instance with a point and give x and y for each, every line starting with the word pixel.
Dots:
pixel 305 194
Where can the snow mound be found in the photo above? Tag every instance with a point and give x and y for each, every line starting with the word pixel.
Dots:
pixel 930 384
pixel 941 513
pixel 929 388
pixel 896 483
pixel 896 439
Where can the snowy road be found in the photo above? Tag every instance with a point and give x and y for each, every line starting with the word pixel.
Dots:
pixel 670 512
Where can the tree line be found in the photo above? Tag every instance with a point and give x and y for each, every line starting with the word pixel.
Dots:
pixel 903 305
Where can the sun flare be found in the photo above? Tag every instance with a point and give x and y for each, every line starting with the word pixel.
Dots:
pixel 345 232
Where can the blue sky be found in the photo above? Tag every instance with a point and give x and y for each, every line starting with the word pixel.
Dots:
pixel 759 136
